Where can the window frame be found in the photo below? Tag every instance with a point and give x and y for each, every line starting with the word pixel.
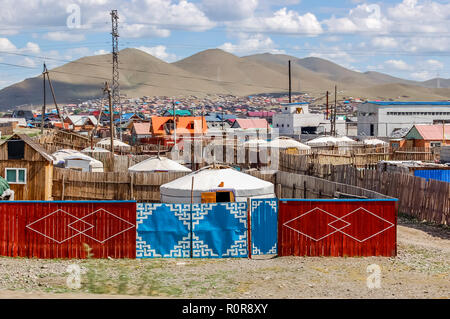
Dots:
pixel 17 175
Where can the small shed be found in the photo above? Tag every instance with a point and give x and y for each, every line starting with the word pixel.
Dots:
pixel 216 183
pixel 27 168
pixel 73 159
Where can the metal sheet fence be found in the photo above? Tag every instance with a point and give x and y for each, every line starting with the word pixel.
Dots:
pixel 337 227
pixel 61 229
pixel 202 231
pixel 437 174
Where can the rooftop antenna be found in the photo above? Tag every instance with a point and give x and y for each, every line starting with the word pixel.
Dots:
pixel 115 64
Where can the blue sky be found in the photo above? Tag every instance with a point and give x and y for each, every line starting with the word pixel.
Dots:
pixel 404 38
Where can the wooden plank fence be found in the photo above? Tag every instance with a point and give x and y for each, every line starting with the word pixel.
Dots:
pixel 424 200
pixel 143 187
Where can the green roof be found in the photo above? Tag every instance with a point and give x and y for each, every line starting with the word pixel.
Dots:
pixel 180 112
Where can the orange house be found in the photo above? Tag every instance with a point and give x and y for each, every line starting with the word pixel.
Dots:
pixel 427 135
pixel 164 125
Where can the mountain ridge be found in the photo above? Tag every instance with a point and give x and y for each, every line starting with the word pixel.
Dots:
pixel 214 71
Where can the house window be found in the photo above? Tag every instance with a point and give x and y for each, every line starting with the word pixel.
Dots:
pixel 16 149
pixel 16 175
pixel 435 144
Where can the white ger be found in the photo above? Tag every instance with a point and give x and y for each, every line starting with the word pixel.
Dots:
pixel 219 179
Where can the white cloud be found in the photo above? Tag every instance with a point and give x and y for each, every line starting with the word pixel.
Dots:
pixel 363 18
pixel 385 42
pixel 6 45
pixel 32 47
pixel 336 55
pixel 29 62
pixel 434 64
pixel 160 52
pixel 249 44
pixel 100 52
pixel 282 21
pixel 426 16
pixel 158 16
pixel 220 10
pixel 64 36
pixel 422 75
pixel 398 65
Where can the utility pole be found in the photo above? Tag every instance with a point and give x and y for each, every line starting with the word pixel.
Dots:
pixel 43 106
pixel 174 125
pixel 327 106
pixel 290 87
pixel 115 63
pixel 333 113
pixel 45 73
pixel 107 90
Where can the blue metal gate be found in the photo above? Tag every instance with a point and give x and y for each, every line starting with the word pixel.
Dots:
pixel 218 230
pixel 264 225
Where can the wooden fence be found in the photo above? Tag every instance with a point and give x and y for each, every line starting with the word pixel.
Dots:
pixel 429 201
pixel 424 200
pixel 143 187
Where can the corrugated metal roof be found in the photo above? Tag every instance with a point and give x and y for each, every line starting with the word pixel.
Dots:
pixel 407 103
pixel 433 132
pixel 251 123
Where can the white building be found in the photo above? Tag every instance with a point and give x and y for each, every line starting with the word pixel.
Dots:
pixel 382 118
pixel 295 119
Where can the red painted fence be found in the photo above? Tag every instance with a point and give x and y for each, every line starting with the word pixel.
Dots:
pixel 59 229
pixel 337 227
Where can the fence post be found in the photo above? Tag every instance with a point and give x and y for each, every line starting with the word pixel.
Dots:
pixel 192 231
pixel 249 227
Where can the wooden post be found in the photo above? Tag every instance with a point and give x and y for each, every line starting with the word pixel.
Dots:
pixel 192 231
pixel 131 186
pixel 279 191
pixel 63 185
pixel 304 189
pixel 249 228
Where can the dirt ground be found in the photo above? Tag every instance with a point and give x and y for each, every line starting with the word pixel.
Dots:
pixel 421 270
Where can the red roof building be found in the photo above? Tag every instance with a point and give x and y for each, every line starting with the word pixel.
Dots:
pixel 427 135
pixel 250 124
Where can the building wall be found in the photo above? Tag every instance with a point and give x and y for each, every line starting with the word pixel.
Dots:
pixel 386 118
pixel 39 174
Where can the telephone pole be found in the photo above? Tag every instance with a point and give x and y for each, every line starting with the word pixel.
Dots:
pixel 45 73
pixel 333 113
pixel 107 90
pixel 115 63
pixel 290 87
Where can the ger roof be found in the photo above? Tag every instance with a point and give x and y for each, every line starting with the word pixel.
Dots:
pixel 408 103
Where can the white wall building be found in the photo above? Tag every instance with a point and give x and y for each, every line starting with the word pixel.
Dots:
pixel 382 118
pixel 295 118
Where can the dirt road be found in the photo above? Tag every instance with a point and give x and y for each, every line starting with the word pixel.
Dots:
pixel 421 270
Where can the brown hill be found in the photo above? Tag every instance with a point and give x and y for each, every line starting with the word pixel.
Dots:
pixel 212 72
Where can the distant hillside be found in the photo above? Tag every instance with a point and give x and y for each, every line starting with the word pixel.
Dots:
pixel 215 71
pixel 437 83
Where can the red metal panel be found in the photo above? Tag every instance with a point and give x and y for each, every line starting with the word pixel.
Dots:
pixel 337 228
pixel 60 229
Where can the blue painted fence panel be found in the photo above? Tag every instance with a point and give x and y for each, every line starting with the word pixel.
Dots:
pixel 264 226
pixel 218 230
pixel 438 174
pixel 163 230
